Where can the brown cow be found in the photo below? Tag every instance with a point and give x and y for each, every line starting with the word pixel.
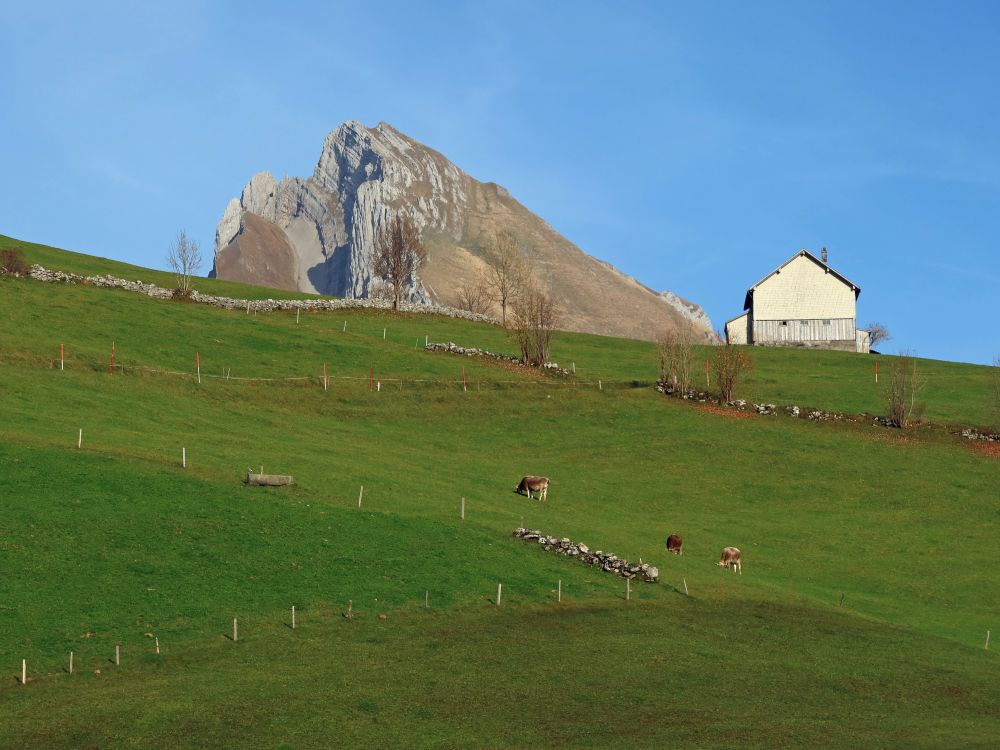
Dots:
pixel 531 484
pixel 675 544
pixel 731 558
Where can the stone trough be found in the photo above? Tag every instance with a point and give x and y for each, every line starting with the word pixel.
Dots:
pixel 269 480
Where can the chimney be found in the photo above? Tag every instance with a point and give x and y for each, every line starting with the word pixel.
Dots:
pixel 824 256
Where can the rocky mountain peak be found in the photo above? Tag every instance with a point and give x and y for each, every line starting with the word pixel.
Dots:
pixel 318 233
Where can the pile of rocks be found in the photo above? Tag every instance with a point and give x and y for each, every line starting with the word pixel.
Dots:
pixel 763 409
pixel 971 433
pixel 817 415
pixel 669 389
pixel 256 305
pixel 606 561
pixel 470 351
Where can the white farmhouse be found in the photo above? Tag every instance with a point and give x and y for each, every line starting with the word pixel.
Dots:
pixel 803 302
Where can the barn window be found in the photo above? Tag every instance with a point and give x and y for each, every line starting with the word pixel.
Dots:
pixel 826 322
pixel 784 322
pixel 805 322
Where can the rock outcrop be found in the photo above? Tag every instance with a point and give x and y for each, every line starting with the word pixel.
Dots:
pixel 317 234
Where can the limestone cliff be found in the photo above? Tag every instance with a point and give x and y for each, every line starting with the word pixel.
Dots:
pixel 317 234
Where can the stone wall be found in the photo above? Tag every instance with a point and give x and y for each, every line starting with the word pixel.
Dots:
pixel 606 561
pixel 256 305
pixel 471 351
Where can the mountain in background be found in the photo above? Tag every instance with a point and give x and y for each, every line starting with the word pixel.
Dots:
pixel 317 234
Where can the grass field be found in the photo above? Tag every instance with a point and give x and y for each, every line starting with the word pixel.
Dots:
pixel 859 619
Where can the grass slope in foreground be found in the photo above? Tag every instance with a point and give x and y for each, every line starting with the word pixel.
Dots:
pixel 116 540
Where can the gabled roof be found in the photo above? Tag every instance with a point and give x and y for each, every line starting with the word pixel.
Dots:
pixel 801 253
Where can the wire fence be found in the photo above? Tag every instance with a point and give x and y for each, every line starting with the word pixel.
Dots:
pixel 532 377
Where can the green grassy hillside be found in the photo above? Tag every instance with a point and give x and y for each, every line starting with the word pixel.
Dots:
pixel 859 619
pixel 90 265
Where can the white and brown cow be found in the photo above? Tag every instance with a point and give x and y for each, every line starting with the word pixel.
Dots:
pixel 731 558
pixel 675 544
pixel 531 484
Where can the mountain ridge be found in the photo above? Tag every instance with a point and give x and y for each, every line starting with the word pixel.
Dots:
pixel 317 234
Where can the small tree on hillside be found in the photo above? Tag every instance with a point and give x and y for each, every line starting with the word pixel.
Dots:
pixel 904 387
pixel 877 334
pixel 184 257
pixel 731 364
pixel 474 295
pixel 506 273
pixel 676 354
pixel 398 255
pixel 533 317
pixel 12 262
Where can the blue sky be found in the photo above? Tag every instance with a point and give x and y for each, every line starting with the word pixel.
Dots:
pixel 694 145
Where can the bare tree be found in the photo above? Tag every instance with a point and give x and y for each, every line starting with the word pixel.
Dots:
pixel 676 354
pixel 184 257
pixel 474 295
pixel 532 321
pixel 731 364
pixel 506 273
pixel 398 255
pixel 904 387
pixel 877 334
pixel 12 262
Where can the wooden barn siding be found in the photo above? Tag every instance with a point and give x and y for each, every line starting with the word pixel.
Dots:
pixel 840 329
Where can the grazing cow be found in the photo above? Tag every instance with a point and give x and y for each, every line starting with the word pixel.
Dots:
pixel 534 484
pixel 731 558
pixel 675 544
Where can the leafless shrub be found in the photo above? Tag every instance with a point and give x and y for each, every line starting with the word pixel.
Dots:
pixel 675 351
pixel 474 295
pixel 731 364
pixel 533 318
pixel 904 387
pixel 877 334
pixel 184 257
pixel 506 273
pixel 13 263
pixel 397 256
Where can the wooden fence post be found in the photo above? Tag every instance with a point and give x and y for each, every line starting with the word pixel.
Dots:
pixel 463 508
pixel 293 617
pixel 71 662
pixel 559 594
pixel 236 632
pixel 197 360
pixel 184 458
pixel 360 495
pixel 118 654
pixel 685 587
pixel 62 356
pixel 79 439
pixel 24 671
pixel 499 591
